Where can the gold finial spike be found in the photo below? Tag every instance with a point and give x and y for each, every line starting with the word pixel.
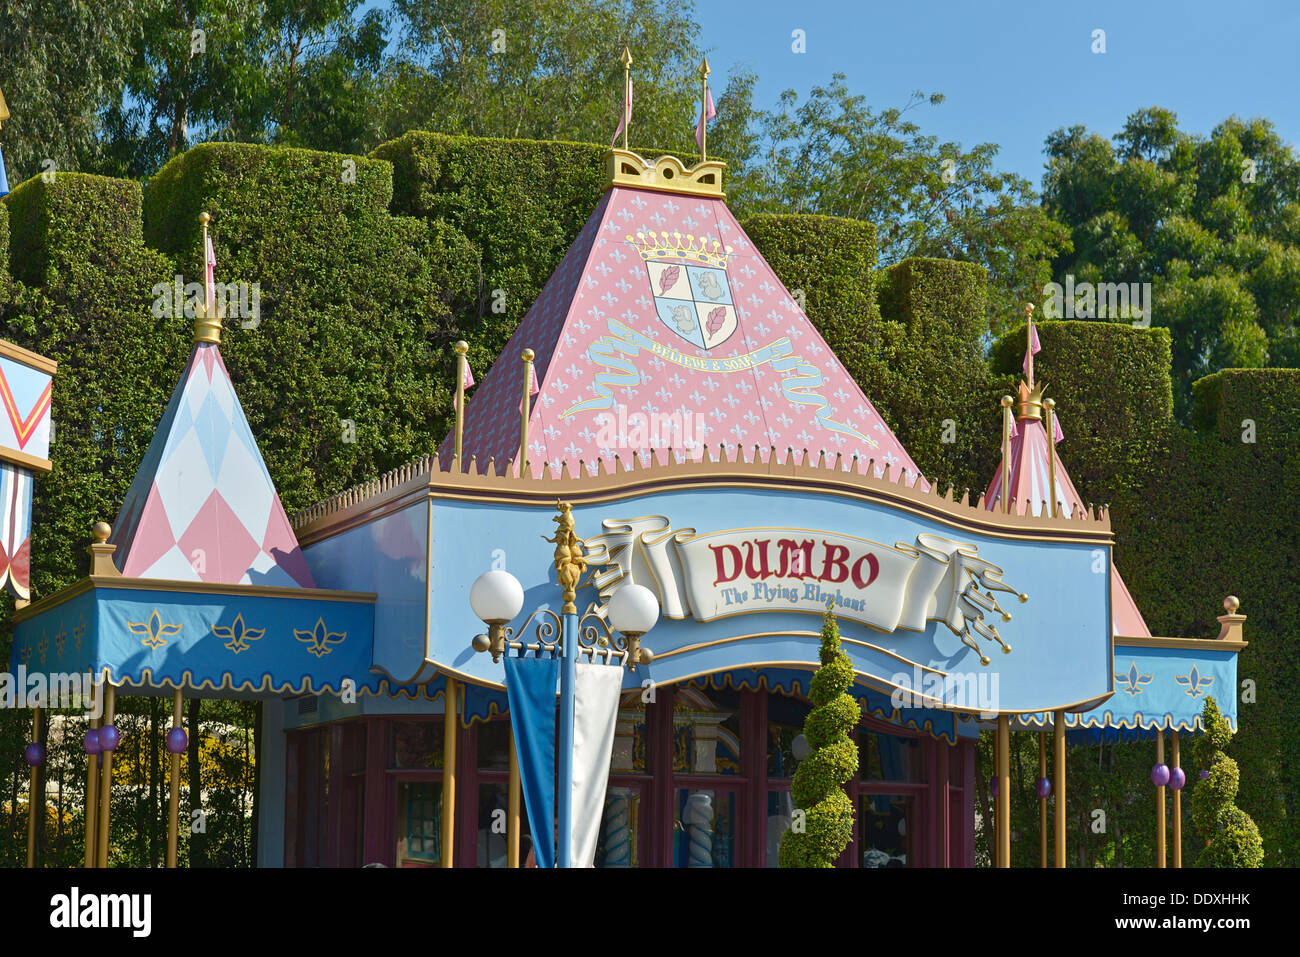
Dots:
pixel 626 59
pixel 4 108
pixel 704 67
pixel 100 552
pixel 207 324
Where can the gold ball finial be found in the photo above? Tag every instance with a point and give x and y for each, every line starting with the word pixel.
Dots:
pixel 204 218
pixel 461 347
pixel 1006 401
pixel 1049 403
pixel 1231 604
pixel 528 355
pixel 101 531
pixel 1029 310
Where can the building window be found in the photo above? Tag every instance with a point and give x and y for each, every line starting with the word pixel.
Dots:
pixel 419 841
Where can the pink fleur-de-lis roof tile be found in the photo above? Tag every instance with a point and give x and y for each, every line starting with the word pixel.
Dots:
pixel 202 506
pixel 639 351
pixel 1031 491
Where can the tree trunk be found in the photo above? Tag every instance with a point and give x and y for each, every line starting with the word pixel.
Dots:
pixel 257 773
pixel 197 841
pixel 154 816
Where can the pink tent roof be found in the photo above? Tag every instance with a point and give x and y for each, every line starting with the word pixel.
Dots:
pixel 1030 492
pixel 664 328
pixel 202 506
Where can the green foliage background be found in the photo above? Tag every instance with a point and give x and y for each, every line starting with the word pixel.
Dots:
pixel 365 279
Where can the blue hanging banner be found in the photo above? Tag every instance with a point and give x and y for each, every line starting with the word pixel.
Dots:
pixel 4 180
pixel 530 688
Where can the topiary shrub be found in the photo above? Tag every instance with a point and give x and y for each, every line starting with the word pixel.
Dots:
pixel 1232 837
pixel 818 785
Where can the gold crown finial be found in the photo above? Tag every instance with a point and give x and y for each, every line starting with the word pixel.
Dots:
pixel 207 321
pixel 1030 405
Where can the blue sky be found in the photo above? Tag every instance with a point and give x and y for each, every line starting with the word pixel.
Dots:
pixel 1013 70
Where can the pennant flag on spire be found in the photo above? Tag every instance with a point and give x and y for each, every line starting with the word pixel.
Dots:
pixel 1031 350
pixel 533 387
pixel 467 384
pixel 707 112
pixel 4 180
pixel 1057 434
pixel 209 280
pixel 626 118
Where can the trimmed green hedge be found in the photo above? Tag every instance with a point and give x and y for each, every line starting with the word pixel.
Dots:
pixel 520 202
pixel 358 307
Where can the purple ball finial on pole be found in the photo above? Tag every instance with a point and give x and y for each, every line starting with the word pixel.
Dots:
pixel 1160 775
pixel 177 741
pixel 993 786
pixel 1043 787
pixel 92 741
pixel 1204 775
pixel 1177 778
pixel 34 754
pixel 109 738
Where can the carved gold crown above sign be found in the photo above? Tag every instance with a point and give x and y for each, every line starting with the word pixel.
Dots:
pixel 667 173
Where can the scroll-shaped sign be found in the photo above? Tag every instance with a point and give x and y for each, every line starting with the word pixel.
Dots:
pixel 26 383
pixel 747 570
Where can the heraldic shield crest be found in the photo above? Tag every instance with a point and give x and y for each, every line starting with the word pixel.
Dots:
pixel 688 279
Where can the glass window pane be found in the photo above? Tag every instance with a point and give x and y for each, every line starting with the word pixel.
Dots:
pixel 629 755
pixel 785 719
pixel 780 814
pixel 704 833
pixel 419 807
pixel 885 822
pixel 886 757
pixel 417 744
pixel 619 842
pixel 706 731
pixel 494 746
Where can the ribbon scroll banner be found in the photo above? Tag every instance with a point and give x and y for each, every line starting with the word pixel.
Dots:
pixel 748 570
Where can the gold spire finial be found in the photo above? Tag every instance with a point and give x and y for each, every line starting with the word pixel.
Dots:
pixel 704 67
pixel 626 59
pixel 207 324
pixel 4 108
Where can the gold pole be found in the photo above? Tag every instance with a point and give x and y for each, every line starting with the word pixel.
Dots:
pixel 461 348
pixel 513 794
pixel 1042 801
pixel 450 719
pixel 1006 454
pixel 627 84
pixel 174 802
pixel 525 408
pixel 1058 735
pixel 92 799
pixel 1178 809
pixel 1049 411
pixel 1160 803
pixel 106 780
pixel 704 107
pixel 1004 791
pixel 33 821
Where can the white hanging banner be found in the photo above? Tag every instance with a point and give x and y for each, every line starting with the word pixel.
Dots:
pixel 596 690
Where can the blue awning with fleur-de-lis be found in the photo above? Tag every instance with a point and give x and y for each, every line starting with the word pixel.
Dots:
pixel 204 636
pixel 1160 684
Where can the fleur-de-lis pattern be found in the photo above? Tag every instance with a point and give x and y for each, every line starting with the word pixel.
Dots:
pixel 155 631
pixel 319 638
pixel 1194 682
pixel 237 634
pixel 1131 680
